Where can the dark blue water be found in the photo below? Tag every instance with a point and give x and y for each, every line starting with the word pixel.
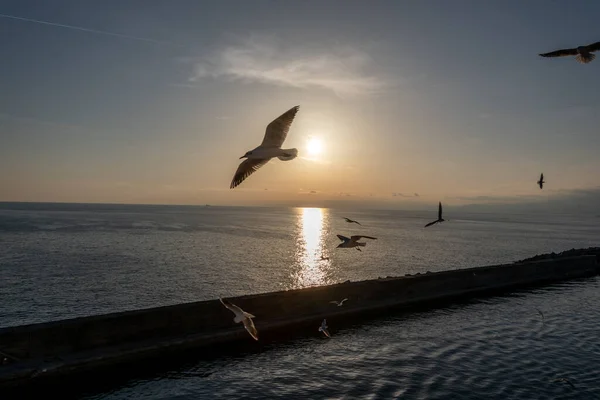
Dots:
pixel 497 348
pixel 62 261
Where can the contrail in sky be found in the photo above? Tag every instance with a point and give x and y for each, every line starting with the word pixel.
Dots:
pixel 79 28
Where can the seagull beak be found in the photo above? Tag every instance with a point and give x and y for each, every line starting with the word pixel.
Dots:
pixel 242 156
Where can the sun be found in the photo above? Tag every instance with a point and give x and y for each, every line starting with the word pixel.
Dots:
pixel 314 146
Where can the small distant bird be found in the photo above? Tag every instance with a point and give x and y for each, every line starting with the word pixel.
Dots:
pixel 323 328
pixel 583 54
pixel 440 219
pixel 270 147
pixel 242 316
pixel 351 221
pixel 339 303
pixel 353 241
pixel 564 380
pixel 541 181
pixel 542 314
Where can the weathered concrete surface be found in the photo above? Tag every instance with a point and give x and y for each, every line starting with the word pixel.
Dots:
pixel 46 350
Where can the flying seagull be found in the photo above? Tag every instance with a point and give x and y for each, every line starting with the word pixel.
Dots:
pixel 270 147
pixel 242 316
pixel 541 181
pixel 323 328
pixel 339 303
pixel 440 219
pixel 564 380
pixel 542 314
pixel 583 54
pixel 351 221
pixel 353 241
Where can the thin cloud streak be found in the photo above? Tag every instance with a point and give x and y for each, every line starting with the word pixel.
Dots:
pixel 82 29
pixel 337 70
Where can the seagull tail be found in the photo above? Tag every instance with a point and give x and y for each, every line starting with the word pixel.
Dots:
pixel 288 154
pixel 585 58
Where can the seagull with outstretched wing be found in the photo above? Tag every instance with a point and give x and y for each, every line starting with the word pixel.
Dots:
pixel 353 241
pixel 440 219
pixel 242 316
pixel 583 54
pixel 270 147
pixel 323 328
pixel 541 181
pixel 338 303
pixel 352 221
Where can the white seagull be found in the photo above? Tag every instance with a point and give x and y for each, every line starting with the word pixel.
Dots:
pixel 339 303
pixel 323 328
pixel 583 54
pixel 242 316
pixel 353 241
pixel 270 147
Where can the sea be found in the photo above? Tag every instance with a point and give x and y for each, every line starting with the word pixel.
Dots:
pixel 62 261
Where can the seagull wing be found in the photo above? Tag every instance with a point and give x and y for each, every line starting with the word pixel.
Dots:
pixel 247 168
pixel 249 325
pixel 594 46
pixel 278 129
pixel 541 177
pixel 355 238
pixel 326 332
pixel 342 302
pixel 232 307
pixel 440 211
pixel 560 53
pixel 429 224
pixel 343 238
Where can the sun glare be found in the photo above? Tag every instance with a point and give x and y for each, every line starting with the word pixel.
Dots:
pixel 314 146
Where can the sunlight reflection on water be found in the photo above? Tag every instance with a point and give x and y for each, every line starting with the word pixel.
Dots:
pixel 312 265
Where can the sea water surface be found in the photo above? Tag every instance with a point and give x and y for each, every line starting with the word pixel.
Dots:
pixel 66 260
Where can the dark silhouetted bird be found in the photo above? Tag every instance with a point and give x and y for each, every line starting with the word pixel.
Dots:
pixel 440 219
pixel 583 54
pixel 353 241
pixel 541 181
pixel 351 220
pixel 565 380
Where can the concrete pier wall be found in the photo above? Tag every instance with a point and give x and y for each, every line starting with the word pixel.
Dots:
pixel 62 347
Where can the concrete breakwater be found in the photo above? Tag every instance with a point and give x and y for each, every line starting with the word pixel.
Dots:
pixel 45 351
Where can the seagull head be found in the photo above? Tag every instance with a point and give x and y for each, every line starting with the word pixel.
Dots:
pixel 248 153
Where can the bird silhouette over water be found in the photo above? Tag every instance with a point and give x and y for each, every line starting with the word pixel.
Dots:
pixel 541 181
pixel 352 221
pixel 353 241
pixel 270 147
pixel 242 316
pixel 565 380
pixel 440 219
pixel 323 328
pixel 583 54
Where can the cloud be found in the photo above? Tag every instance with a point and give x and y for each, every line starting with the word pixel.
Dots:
pixel 266 61
pixel 397 194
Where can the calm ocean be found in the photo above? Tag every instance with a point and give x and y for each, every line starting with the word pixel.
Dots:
pixel 66 260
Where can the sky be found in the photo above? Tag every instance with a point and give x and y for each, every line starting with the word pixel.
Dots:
pixel 402 103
